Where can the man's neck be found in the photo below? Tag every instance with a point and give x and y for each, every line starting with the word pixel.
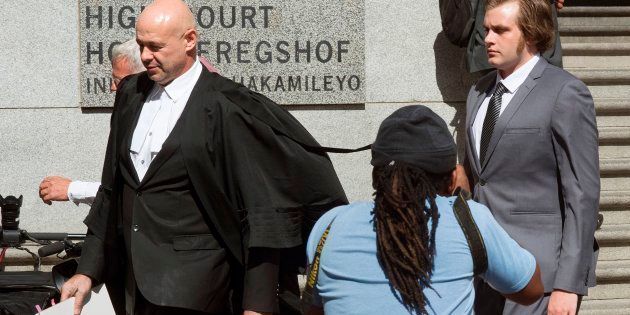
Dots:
pixel 189 64
pixel 527 55
pixel 504 73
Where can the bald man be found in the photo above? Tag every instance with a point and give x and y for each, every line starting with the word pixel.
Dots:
pixel 207 190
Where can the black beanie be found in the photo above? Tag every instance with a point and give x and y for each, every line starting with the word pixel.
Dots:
pixel 417 136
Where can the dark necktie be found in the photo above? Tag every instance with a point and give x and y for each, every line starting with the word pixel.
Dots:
pixel 492 115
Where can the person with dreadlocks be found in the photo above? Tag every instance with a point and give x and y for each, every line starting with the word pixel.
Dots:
pixel 406 253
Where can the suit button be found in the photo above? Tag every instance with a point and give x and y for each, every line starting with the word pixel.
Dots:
pixel 136 228
pixel 482 182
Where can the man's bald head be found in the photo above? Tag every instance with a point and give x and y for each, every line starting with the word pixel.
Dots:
pixel 174 14
pixel 167 37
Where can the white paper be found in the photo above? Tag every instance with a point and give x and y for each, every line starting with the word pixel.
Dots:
pixel 97 303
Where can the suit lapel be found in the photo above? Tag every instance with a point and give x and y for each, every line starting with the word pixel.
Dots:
pixel 513 107
pixel 133 108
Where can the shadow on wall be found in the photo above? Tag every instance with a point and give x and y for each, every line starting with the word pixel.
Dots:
pixel 453 81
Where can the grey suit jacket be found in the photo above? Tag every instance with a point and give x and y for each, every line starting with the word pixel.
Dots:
pixel 540 178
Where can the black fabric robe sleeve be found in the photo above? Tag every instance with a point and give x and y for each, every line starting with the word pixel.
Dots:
pixel 277 183
pixel 261 280
pixel 275 180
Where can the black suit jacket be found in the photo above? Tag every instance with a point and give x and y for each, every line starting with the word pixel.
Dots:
pixel 258 175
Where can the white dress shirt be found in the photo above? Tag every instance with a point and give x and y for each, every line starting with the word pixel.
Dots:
pixel 511 83
pixel 82 192
pixel 160 112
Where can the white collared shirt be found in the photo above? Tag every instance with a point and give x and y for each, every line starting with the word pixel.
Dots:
pixel 159 115
pixel 82 192
pixel 511 83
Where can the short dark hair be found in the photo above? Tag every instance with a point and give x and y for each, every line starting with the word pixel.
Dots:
pixel 535 20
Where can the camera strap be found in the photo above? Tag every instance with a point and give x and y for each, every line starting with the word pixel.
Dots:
pixel 471 231
pixel 313 271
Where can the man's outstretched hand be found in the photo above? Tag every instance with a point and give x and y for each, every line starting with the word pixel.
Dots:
pixel 54 188
pixel 78 286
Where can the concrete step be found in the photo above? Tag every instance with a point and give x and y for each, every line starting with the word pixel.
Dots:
pixel 609 291
pixel 613 234
pixel 597 62
pixel 615 183
pixel 595 49
pixel 614 166
pixel 593 30
pixel 614 135
pixel 602 76
pixel 614 199
pixel 613 121
pixel 611 106
pixel 583 39
pixel 614 151
pixel 613 271
pixel 610 252
pixel 616 216
pixel 617 91
pixel 596 3
pixel 594 11
pixel 605 307
pixel 599 21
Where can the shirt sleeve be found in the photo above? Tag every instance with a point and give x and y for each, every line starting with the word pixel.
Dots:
pixel 82 192
pixel 510 267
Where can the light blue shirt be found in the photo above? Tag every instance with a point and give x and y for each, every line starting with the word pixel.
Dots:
pixel 351 280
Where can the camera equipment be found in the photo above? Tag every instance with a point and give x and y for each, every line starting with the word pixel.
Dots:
pixel 10 209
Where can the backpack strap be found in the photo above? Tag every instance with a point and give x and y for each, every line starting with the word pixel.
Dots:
pixel 471 231
pixel 313 271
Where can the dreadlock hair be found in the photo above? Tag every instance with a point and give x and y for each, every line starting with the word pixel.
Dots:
pixel 404 244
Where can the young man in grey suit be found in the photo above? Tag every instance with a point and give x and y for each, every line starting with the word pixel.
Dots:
pixel 532 154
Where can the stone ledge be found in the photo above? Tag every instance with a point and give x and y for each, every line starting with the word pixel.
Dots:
pixel 613 271
pixel 595 49
pixel 602 76
pixel 612 106
pixel 597 21
pixel 613 234
pixel 612 306
pixel 611 253
pixel 614 135
pixel 599 30
pixel 577 38
pixel 614 199
pixel 614 166
pixel 609 291
pixel 594 11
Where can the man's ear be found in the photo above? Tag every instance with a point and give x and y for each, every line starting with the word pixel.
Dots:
pixel 191 39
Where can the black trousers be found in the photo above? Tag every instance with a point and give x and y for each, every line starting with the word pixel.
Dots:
pixel 144 307
pixel 137 304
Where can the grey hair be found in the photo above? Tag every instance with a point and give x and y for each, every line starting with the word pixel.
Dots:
pixel 130 51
